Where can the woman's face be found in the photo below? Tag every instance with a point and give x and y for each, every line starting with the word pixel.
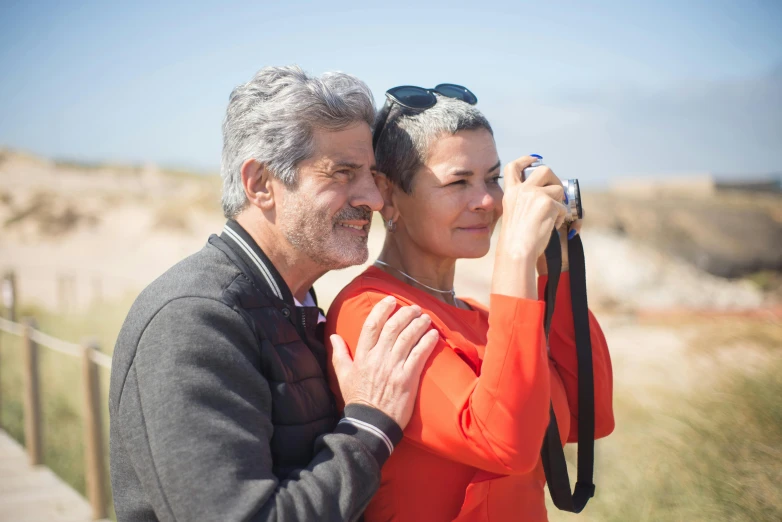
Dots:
pixel 456 197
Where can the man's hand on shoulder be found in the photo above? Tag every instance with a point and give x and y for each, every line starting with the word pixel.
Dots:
pixel 390 356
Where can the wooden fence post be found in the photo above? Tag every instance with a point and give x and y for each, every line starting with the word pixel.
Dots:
pixel 32 396
pixel 9 294
pixel 95 469
pixel 6 293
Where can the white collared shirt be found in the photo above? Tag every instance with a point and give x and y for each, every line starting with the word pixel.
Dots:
pixel 309 301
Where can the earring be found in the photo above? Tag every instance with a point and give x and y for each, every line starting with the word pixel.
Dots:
pixel 390 225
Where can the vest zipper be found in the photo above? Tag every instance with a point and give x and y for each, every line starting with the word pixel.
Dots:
pixel 301 324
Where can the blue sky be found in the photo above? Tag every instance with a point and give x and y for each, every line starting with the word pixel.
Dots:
pixel 602 90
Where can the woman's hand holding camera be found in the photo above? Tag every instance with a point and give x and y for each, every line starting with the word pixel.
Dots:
pixel 532 208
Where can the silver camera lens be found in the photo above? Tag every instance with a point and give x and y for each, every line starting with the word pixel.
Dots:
pixel 572 199
pixel 572 191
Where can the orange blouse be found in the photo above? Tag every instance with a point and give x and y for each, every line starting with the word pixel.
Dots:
pixel 471 451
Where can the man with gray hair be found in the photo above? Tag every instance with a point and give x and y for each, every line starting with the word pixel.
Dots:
pixel 219 404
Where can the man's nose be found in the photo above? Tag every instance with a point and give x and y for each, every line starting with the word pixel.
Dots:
pixel 366 193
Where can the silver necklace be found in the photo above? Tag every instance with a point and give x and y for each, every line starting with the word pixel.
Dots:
pixel 451 291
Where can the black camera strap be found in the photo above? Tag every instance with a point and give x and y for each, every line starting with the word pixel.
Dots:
pixel 552 454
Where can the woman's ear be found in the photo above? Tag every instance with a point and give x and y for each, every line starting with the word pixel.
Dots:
pixel 387 189
pixel 257 182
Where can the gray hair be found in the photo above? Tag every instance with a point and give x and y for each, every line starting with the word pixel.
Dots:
pixel 272 117
pixel 404 145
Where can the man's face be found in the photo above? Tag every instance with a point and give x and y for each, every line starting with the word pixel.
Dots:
pixel 328 214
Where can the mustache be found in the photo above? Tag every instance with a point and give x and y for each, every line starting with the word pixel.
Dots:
pixel 353 214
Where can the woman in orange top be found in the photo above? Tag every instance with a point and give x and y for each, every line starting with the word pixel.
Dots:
pixel 471 451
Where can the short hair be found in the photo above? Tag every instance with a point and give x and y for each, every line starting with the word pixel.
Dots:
pixel 272 117
pixel 404 144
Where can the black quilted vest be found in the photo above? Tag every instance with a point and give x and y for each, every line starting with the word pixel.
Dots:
pixel 292 354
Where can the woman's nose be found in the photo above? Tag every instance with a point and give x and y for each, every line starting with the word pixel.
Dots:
pixel 484 201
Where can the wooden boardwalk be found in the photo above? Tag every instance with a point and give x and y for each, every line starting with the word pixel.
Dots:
pixel 35 494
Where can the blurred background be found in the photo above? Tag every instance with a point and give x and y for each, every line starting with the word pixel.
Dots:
pixel 669 114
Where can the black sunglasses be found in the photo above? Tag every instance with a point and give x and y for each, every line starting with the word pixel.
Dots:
pixel 418 98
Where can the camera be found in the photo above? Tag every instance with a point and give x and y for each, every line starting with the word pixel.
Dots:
pixel 572 191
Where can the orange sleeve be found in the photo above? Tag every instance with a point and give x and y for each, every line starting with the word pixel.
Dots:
pixel 562 342
pixel 494 422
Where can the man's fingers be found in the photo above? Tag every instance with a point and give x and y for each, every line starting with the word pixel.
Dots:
pixel 374 323
pixel 420 353
pixel 411 335
pixel 396 325
pixel 340 358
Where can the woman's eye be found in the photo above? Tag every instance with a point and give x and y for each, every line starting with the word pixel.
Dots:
pixel 495 179
pixel 459 182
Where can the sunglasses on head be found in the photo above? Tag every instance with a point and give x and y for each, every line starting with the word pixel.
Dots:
pixel 418 98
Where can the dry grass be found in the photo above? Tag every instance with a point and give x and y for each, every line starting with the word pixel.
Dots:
pixel 712 454
pixel 176 214
pixel 50 215
pixel 710 333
